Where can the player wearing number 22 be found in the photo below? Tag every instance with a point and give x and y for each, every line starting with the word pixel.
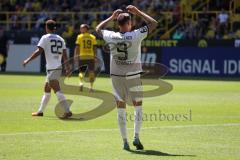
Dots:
pixel 85 52
pixel 55 49
pixel 125 65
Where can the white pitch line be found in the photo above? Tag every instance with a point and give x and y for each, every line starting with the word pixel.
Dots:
pixel 116 129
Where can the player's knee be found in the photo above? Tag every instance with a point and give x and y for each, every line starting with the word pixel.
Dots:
pixel 121 104
pixel 54 85
pixel 137 103
pixel 47 88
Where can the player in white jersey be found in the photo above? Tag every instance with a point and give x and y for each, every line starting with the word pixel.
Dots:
pixel 54 48
pixel 125 65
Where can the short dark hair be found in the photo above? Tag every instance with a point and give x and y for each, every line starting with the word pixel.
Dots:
pixel 51 25
pixel 123 18
pixel 84 26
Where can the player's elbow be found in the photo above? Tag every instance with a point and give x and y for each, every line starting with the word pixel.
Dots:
pixel 154 24
pixel 97 29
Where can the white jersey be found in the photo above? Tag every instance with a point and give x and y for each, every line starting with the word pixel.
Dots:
pixel 125 49
pixel 53 46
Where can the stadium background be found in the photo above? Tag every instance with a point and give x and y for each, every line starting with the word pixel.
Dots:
pixel 189 31
pixel 188 35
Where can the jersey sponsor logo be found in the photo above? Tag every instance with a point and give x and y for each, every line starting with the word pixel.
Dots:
pixel 117 38
pixel 111 46
pixel 121 62
pixel 122 38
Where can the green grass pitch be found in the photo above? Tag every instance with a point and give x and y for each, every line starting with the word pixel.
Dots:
pixel 213 133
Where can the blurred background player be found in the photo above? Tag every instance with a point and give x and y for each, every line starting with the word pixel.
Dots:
pixel 54 48
pixel 126 67
pixel 85 52
pixel 3 50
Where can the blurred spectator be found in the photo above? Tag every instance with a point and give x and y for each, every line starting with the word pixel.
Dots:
pixel 65 6
pixel 41 19
pixel 28 6
pixel 3 49
pixel 36 5
pixel 68 32
pixel 213 24
pixel 171 5
pixel 190 29
pixel 200 25
pixel 34 40
pixel 204 18
pixel 237 34
pixel 176 12
pixel 228 35
pixel 14 19
pixel 223 18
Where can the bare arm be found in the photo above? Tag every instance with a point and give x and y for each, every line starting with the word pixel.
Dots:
pixel 65 58
pixel 95 50
pixel 104 23
pixel 151 23
pixel 35 54
pixel 76 51
pixel 65 62
pixel 76 56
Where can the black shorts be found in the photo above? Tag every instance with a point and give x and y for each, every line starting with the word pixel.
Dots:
pixel 86 64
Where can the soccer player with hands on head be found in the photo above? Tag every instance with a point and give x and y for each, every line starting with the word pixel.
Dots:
pixel 125 65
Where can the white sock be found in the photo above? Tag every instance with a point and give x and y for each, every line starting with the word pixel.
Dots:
pixel 62 100
pixel 45 99
pixel 122 123
pixel 137 120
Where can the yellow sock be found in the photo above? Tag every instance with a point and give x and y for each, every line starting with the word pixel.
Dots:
pixel 80 78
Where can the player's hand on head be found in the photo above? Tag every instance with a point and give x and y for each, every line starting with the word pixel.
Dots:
pixel 132 9
pixel 116 13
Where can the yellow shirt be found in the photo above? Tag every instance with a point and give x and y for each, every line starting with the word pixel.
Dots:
pixel 86 44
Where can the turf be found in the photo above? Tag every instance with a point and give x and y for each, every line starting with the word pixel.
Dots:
pixel 212 132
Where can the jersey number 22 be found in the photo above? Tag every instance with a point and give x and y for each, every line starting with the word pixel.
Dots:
pixel 56 45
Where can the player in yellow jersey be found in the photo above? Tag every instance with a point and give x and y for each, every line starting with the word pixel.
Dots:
pixel 86 50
